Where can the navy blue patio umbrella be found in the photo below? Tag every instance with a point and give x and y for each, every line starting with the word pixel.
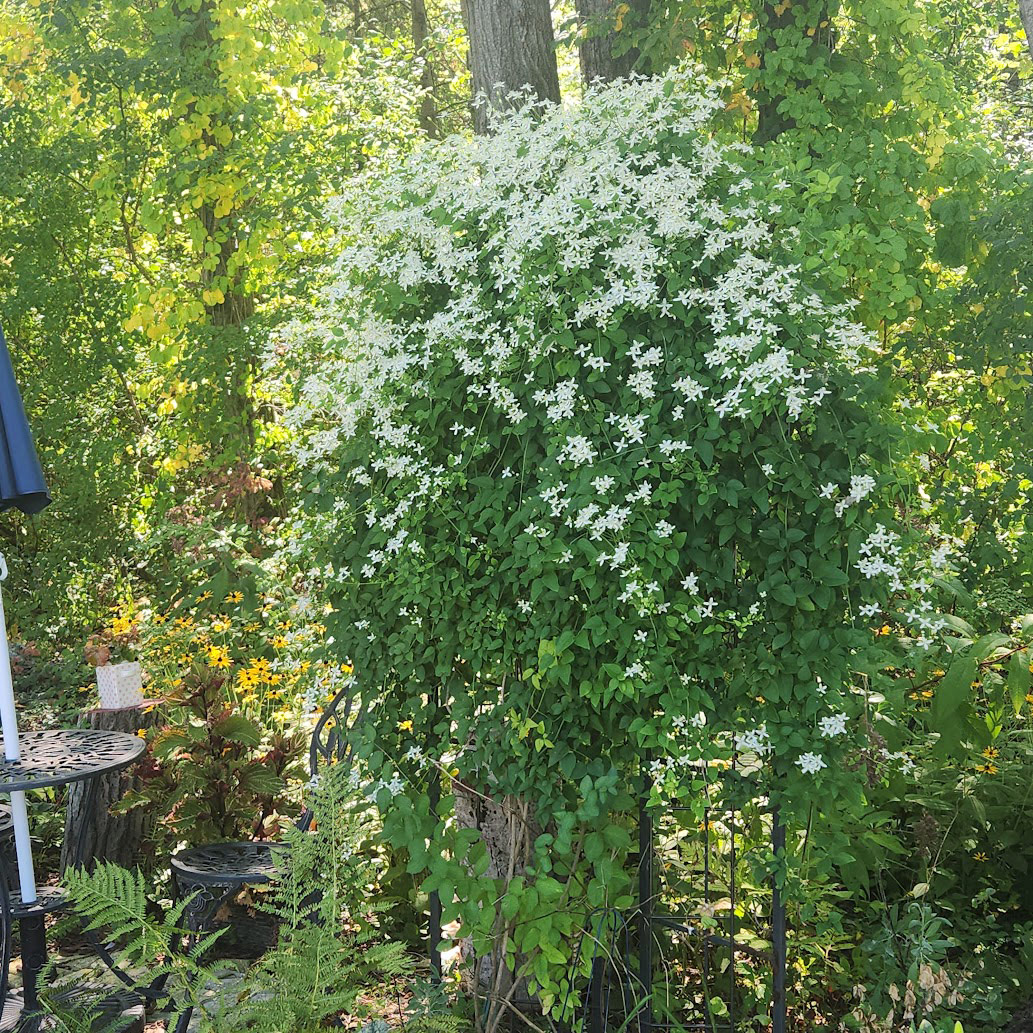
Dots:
pixel 21 478
pixel 21 486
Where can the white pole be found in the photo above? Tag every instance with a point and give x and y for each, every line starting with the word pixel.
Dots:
pixel 12 751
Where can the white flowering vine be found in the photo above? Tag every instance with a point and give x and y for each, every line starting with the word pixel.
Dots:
pixel 622 466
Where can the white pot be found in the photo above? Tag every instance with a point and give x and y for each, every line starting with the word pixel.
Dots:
pixel 120 685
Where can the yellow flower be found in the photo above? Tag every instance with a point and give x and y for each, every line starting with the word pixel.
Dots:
pixel 259 669
pixel 979 856
pixel 405 726
pixel 279 642
pixel 275 679
pixel 991 752
pixel 989 768
pixel 235 597
pixel 222 624
pixel 218 657
pixel 203 596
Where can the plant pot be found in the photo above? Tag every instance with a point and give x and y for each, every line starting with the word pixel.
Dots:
pixel 120 685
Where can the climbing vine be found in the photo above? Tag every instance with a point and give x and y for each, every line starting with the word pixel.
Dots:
pixel 595 471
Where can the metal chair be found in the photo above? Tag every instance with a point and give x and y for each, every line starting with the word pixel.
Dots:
pixel 49 898
pixel 212 874
pixel 93 1006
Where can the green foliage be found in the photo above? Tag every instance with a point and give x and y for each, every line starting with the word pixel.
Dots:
pixel 115 903
pixel 476 582
pixel 213 773
pixel 318 969
pixel 159 214
pixel 329 952
pixel 163 174
pixel 968 372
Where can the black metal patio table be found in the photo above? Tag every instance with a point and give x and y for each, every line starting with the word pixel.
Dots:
pixel 49 759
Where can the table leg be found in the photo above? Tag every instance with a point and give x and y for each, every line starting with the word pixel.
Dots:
pixel 34 957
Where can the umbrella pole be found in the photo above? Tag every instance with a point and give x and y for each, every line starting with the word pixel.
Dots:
pixel 33 933
pixel 12 752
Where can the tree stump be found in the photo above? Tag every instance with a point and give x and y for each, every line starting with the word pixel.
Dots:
pixel 508 833
pixel 107 836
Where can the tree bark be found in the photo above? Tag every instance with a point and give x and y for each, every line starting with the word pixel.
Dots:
pixel 508 832
pixel 600 24
pixel 107 836
pixel 1026 14
pixel 511 47
pixel 420 32
pixel 771 122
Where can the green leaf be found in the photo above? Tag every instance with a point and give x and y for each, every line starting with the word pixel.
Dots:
pixel 238 728
pixel 986 645
pixel 961 626
pixel 170 741
pixel 949 711
pixel 261 780
pixel 1018 679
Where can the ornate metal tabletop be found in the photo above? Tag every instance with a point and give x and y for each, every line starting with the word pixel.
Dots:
pixel 67 755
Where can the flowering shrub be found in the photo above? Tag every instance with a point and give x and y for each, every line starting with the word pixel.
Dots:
pixel 117 643
pixel 597 474
pixel 239 684
pixel 264 646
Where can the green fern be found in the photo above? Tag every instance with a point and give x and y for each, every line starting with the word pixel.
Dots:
pixel 318 969
pixel 329 950
pixel 113 902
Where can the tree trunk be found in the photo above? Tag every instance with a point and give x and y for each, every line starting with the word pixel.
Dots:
pixel 107 836
pixel 508 832
pixel 785 18
pixel 601 21
pixel 223 235
pixel 1026 14
pixel 420 32
pixel 511 47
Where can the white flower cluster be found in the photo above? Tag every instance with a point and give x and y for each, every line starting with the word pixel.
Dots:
pixel 861 486
pixel 562 185
pixel 512 262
